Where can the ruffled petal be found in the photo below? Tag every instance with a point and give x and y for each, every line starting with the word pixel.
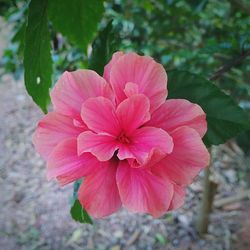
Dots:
pixel 99 115
pixel 116 56
pixel 179 112
pixel 150 77
pixel 143 192
pixel 133 112
pixel 101 146
pixel 64 163
pixel 99 194
pixel 73 88
pixel 188 157
pixel 178 197
pixel 131 89
pixel 144 141
pixel 52 129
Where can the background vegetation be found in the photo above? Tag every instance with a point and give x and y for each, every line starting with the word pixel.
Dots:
pixel 198 36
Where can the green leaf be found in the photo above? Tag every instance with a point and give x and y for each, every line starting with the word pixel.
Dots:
pixel 225 118
pixel 76 19
pixel 79 214
pixel 37 57
pixel 19 37
pixel 103 47
pixel 159 237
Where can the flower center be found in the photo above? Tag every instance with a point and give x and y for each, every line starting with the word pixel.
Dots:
pixel 123 138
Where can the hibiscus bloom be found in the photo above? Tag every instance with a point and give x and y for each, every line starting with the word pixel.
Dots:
pixel 132 147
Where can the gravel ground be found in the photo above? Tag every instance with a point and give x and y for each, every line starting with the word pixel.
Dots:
pixel 35 213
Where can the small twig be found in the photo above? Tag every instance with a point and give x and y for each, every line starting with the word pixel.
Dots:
pixel 133 238
pixel 225 68
pixel 228 200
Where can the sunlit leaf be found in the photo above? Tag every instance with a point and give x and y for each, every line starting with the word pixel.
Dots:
pixel 76 19
pixel 37 56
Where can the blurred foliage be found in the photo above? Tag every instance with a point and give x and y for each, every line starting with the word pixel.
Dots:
pixel 64 13
pixel 198 36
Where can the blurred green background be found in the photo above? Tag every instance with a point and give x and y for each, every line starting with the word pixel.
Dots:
pixel 198 36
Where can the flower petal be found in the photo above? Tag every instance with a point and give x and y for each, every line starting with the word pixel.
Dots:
pixel 73 88
pixel 133 112
pixel 116 56
pixel 143 143
pixel 179 112
pixel 188 157
pixel 101 146
pixel 99 115
pixel 99 194
pixel 150 77
pixel 143 192
pixel 51 130
pixel 131 89
pixel 178 197
pixel 64 161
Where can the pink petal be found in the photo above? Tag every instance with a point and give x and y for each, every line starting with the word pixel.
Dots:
pixel 143 192
pixel 131 89
pixel 179 112
pixel 116 56
pixel 150 77
pixel 154 157
pixel 99 115
pixel 99 194
pixel 178 197
pixel 73 88
pixel 70 177
pixel 65 164
pixel 101 146
pixel 143 143
pixel 51 130
pixel 189 156
pixel 133 112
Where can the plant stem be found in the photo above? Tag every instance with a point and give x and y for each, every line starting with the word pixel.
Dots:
pixel 209 188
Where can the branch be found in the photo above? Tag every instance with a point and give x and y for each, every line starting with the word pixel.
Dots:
pixel 241 5
pixel 231 64
pixel 234 198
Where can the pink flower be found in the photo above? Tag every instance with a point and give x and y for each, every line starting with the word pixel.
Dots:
pixel 132 147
